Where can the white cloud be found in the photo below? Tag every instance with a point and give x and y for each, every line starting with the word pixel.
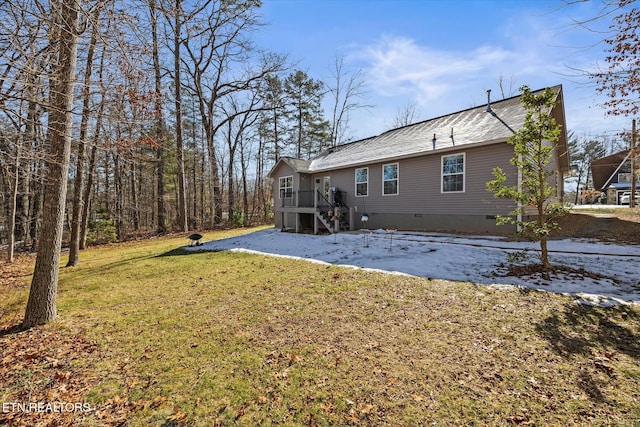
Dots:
pixel 399 66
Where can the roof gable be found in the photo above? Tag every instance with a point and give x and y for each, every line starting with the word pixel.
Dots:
pixel 298 165
pixel 604 169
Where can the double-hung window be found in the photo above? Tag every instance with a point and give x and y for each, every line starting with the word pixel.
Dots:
pixel 453 173
pixel 362 182
pixel 390 179
pixel 286 187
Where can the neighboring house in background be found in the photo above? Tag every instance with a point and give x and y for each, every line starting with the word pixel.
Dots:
pixel 612 176
pixel 430 175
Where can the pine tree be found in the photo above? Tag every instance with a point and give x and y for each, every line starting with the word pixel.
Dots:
pixel 309 131
pixel 274 114
pixel 533 151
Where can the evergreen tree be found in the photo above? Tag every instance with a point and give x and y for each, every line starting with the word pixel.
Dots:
pixel 533 151
pixel 274 115
pixel 309 132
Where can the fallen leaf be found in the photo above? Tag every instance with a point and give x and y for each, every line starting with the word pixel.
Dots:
pixel 367 409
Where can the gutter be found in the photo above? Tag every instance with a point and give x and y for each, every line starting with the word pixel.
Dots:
pixel 368 162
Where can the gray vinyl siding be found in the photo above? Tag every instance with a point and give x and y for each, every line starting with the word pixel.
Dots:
pixel 419 185
pixel 282 170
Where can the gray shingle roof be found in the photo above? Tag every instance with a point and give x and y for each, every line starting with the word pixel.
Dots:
pixel 463 128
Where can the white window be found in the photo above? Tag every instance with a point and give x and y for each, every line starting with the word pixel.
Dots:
pixel 453 173
pixel 362 182
pixel 390 179
pixel 624 177
pixel 286 187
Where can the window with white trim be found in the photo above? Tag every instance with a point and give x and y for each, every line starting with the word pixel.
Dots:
pixel 362 182
pixel 453 173
pixel 286 187
pixel 390 179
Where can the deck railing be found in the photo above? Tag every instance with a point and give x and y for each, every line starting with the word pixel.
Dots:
pixel 316 199
pixel 310 199
pixel 298 199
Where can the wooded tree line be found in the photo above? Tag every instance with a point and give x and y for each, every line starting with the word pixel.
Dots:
pixel 177 116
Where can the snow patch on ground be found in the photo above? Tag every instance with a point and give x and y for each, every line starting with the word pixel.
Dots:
pixel 476 259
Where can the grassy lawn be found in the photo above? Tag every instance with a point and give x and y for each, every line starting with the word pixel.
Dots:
pixel 240 339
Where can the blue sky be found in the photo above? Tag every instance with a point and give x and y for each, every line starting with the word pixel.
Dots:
pixel 443 55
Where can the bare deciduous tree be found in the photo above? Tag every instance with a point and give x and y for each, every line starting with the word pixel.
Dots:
pixel 405 116
pixel 79 181
pixel 507 90
pixel 63 20
pixel 347 93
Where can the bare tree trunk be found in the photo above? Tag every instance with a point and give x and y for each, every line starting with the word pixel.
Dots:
pixel 92 163
pixel 5 189
pixel 259 196
pixel 106 202
pixel 89 187
pixel 194 186
pixel 36 207
pixel 28 140
pixel 203 202
pixel 78 186
pixel 214 182
pixel 134 199
pixel 231 181
pixel 217 196
pixel 276 136
pixel 41 306
pixel 118 189
pixel 161 225
pixel 23 182
pixel 578 186
pixel 245 187
pixel 13 207
pixel 182 205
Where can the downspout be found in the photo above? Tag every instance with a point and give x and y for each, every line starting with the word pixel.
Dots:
pixel 519 216
pixel 519 206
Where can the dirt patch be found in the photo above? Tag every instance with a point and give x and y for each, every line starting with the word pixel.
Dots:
pixel 603 226
pixel 542 276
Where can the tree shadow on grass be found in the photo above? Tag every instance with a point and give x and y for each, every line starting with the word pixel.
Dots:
pixel 598 334
pixel 182 251
pixel 176 252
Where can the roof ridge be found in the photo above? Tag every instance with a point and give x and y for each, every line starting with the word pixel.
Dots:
pixel 558 86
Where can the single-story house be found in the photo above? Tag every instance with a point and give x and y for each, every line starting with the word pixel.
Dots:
pixel 612 175
pixel 430 175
